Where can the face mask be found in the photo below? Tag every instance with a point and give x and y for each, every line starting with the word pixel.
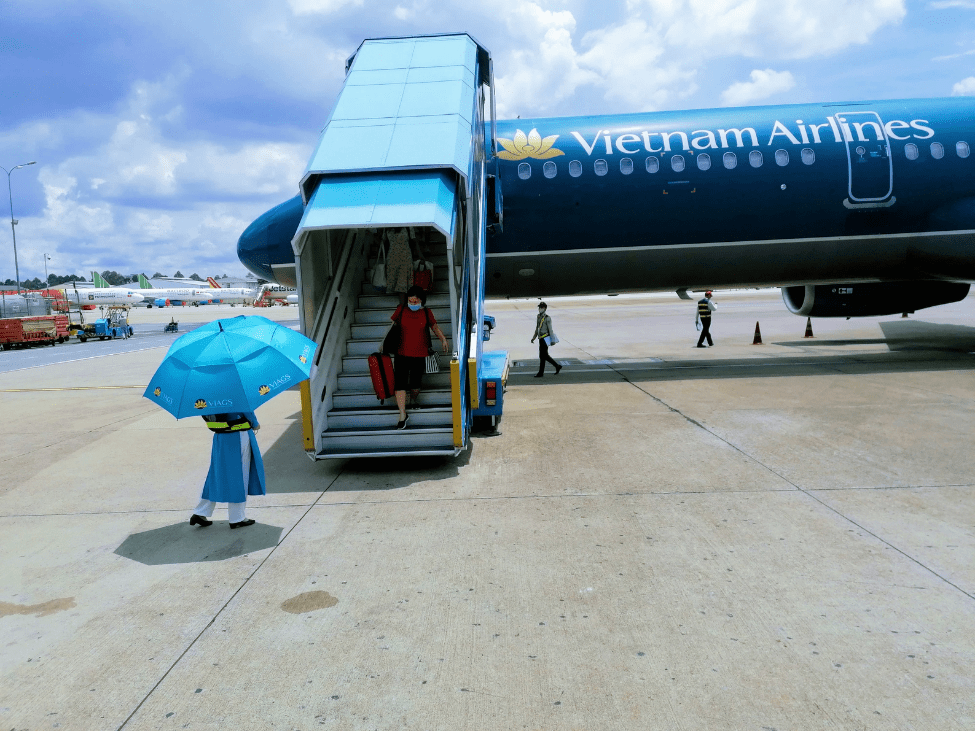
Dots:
pixel 414 307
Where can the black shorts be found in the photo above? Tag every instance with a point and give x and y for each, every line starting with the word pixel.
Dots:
pixel 408 372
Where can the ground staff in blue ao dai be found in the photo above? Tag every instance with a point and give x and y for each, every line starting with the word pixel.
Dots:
pixel 236 468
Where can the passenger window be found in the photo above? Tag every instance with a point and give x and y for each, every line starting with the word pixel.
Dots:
pixel 781 158
pixel 937 150
pixel 730 160
pixel 962 149
pixel 524 170
pixel 910 151
pixel 704 161
pixel 755 159
pixel 600 167
pixel 808 156
pixel 626 166
pixel 653 164
pixel 677 163
pixel 549 170
pixel 575 168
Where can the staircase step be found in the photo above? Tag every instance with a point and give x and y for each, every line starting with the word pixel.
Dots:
pixel 391 301
pixel 386 418
pixel 345 400
pixel 364 316
pixel 440 286
pixel 358 365
pixel 361 383
pixel 377 331
pixel 392 452
pixel 365 348
pixel 368 440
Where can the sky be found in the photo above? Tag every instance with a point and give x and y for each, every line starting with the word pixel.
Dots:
pixel 160 130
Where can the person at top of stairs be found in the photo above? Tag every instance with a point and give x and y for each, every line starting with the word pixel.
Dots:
pixel 399 263
pixel 409 365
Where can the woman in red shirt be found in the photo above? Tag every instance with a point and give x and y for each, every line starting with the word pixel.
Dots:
pixel 409 365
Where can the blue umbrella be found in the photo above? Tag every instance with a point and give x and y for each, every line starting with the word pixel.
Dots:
pixel 230 365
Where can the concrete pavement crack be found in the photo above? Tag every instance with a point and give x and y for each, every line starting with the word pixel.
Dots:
pixel 804 491
pixel 227 603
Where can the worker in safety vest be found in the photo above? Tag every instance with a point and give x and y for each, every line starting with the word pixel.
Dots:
pixel 704 309
pixel 236 468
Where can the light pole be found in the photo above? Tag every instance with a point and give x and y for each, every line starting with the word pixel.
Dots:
pixel 46 282
pixel 13 221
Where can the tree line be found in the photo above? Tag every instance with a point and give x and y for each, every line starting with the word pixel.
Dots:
pixel 112 277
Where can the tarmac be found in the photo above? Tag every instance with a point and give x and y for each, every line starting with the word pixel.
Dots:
pixel 768 537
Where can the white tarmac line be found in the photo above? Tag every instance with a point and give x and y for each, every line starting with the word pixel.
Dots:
pixel 89 357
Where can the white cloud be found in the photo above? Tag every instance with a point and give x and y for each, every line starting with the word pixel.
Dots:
pixel 763 84
pixel 308 7
pixel 778 28
pixel 945 4
pixel 965 87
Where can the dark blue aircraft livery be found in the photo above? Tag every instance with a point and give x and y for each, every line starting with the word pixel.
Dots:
pixel 807 197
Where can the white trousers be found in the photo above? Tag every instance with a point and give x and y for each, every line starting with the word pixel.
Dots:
pixel 235 510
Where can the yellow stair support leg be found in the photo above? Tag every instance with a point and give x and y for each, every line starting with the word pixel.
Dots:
pixel 306 427
pixel 455 402
pixel 472 382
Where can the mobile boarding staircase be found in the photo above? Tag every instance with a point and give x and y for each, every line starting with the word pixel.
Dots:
pixel 404 146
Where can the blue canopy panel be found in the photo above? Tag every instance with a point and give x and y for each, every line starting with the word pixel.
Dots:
pixel 407 104
pixel 420 198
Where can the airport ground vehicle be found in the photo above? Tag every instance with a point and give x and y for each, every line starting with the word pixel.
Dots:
pixel 115 324
pixel 25 332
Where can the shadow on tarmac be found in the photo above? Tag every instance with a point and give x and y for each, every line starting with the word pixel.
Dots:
pixel 185 543
pixel 912 346
pixel 289 470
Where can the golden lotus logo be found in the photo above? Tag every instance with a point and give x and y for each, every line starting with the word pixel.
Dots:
pixel 264 390
pixel 157 391
pixel 302 358
pixel 533 146
pixel 200 403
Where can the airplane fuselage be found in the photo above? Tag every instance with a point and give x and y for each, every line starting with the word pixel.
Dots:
pixel 798 194
pixel 791 196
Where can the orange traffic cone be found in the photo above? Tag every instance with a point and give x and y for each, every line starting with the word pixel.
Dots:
pixel 758 336
pixel 808 328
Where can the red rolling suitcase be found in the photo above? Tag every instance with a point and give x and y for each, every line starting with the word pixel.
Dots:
pixel 381 372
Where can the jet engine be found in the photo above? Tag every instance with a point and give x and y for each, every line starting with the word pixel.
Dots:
pixel 866 299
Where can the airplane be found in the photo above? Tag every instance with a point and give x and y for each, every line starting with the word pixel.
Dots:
pixel 852 208
pixel 174 296
pixel 91 297
pixel 231 295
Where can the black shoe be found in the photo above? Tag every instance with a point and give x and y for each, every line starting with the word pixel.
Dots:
pixel 557 369
pixel 701 346
pixel 538 375
pixel 401 424
pixel 200 521
pixel 242 524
